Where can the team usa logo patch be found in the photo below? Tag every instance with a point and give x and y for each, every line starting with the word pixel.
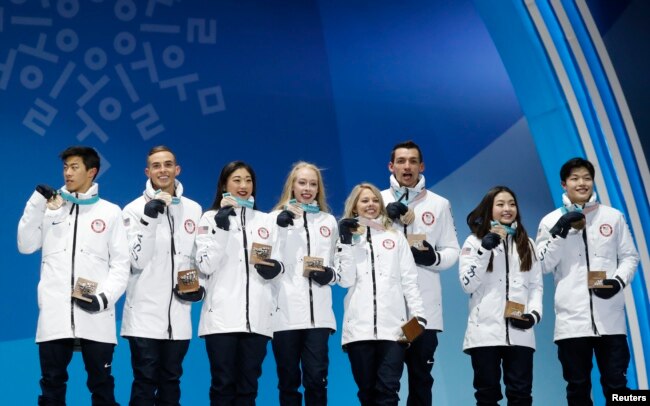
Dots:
pixel 428 218
pixel 263 232
pixel 388 244
pixel 190 226
pixel 606 230
pixel 98 226
pixel 325 231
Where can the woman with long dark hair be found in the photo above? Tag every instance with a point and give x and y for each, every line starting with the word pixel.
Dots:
pixel 236 315
pixel 500 272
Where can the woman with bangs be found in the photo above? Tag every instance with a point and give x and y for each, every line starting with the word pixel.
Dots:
pixel 235 318
pixel 500 272
pixel 377 267
pixel 303 319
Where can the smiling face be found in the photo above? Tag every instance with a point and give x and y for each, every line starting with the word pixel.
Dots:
pixel 579 185
pixel 305 185
pixel 368 204
pixel 240 184
pixel 77 178
pixel 162 171
pixel 406 166
pixel 504 208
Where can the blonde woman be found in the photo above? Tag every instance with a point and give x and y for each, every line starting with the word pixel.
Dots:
pixel 304 319
pixel 377 267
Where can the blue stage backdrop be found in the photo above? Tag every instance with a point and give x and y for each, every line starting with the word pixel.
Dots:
pixel 337 83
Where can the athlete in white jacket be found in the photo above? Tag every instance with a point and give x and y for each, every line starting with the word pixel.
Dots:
pixel 237 311
pixel 161 226
pixel 81 236
pixel 304 318
pixel 581 237
pixel 416 210
pixel 498 266
pixel 381 277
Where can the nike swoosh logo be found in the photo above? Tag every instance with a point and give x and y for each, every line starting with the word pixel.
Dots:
pixel 107 365
pixel 429 362
pixel 57 222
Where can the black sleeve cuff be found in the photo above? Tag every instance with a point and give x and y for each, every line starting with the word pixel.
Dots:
pixel 537 316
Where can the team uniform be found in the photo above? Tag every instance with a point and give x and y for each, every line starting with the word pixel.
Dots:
pixel 157 323
pixel 489 338
pixel 586 323
pixel 381 278
pixel 434 219
pixel 236 317
pixel 304 319
pixel 82 238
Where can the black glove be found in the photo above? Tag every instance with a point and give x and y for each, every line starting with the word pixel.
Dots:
pixel 284 219
pixel 396 209
pixel 99 302
pixel 221 218
pixel 523 324
pixel 425 257
pixel 345 229
pixel 563 224
pixel 269 271
pixel 190 296
pixel 153 207
pixel 608 293
pixel 490 241
pixel 322 277
pixel 46 191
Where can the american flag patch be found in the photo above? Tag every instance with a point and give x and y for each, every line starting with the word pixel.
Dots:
pixel 203 229
pixel 466 251
pixel 126 221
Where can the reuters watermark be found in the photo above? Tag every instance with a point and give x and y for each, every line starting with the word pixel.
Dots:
pixel 630 397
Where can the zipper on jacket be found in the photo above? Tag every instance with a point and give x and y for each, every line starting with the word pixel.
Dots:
pixel 74 207
pixel 405 195
pixel 243 228
pixel 505 242
pixel 591 300
pixel 170 220
pixel 374 280
pixel 311 293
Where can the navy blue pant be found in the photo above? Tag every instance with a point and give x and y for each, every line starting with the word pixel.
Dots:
pixel 419 362
pixel 235 365
pixel 306 349
pixel 157 369
pixel 517 362
pixel 377 369
pixel 612 357
pixel 55 356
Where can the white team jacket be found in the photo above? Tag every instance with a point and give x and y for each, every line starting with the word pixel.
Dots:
pixel 486 324
pixel 151 309
pixel 610 248
pixel 433 218
pixel 237 298
pixel 87 241
pixel 303 303
pixel 382 281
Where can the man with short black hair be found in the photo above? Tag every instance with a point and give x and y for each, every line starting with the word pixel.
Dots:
pixel 575 242
pixel 81 236
pixel 161 226
pixel 416 211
